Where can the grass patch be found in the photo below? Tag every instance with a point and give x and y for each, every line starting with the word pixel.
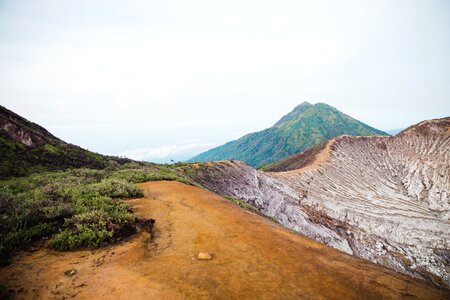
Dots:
pixel 51 149
pixel 243 204
pixel 77 208
pixel 249 207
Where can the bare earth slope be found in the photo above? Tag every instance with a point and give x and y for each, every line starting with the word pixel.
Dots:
pixel 252 258
pixel 385 199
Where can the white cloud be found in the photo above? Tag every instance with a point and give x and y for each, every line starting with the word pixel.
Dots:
pixel 165 153
pixel 110 77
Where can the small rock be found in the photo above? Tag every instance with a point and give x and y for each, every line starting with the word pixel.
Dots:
pixel 70 272
pixel 204 256
pixel 147 224
pixel 83 284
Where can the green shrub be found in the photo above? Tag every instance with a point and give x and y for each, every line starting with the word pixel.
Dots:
pixel 243 204
pixel 81 207
pixel 94 228
pixel 83 203
pixel 115 188
pixel 249 207
pixel 153 173
pixel 85 237
pixel 9 242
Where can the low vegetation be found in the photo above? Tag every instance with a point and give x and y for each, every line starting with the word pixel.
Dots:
pixel 242 204
pixel 76 208
pixel 249 207
pixel 19 160
pixel 27 148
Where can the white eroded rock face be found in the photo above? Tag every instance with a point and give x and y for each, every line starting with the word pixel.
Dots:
pixel 385 199
pixel 271 196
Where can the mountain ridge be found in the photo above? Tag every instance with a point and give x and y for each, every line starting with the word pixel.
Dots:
pixel 26 147
pixel 305 126
pixel 382 198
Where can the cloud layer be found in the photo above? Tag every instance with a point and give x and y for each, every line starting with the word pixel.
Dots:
pixel 177 152
pixel 112 76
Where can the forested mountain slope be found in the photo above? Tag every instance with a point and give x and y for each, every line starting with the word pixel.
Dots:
pixel 304 127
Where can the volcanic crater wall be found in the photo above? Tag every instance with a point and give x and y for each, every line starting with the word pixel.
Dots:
pixel 385 199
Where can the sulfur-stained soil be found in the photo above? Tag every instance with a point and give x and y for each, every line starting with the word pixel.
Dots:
pixel 252 258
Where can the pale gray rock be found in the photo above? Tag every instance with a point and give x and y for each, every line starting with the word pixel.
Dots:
pixel 385 199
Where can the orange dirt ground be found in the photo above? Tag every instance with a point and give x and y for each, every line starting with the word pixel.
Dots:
pixel 252 259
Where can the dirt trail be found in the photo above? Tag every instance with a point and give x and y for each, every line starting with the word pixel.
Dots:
pixel 252 259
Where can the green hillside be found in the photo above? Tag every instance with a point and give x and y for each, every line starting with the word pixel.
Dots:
pixel 77 206
pixel 26 147
pixel 304 127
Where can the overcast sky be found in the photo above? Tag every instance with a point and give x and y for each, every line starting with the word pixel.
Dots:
pixel 167 79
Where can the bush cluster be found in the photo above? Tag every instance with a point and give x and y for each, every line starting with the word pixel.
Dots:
pixel 82 207
pixel 77 208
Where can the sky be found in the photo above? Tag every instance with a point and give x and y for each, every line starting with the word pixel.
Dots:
pixel 161 80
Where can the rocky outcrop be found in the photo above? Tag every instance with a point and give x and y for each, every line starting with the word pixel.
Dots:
pixel 23 131
pixel 385 199
pixel 271 196
pixel 26 137
pixel 26 147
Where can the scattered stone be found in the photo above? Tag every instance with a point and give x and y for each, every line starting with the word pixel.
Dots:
pixel 83 284
pixel 146 224
pixel 70 272
pixel 204 256
pixel 74 295
pixel 98 261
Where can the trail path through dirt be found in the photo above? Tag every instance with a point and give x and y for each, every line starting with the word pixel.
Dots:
pixel 252 259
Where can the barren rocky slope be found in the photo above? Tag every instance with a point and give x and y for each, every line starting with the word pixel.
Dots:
pixel 385 199
pixel 265 262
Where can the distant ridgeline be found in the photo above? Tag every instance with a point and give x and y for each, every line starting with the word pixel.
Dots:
pixel 304 127
pixel 26 147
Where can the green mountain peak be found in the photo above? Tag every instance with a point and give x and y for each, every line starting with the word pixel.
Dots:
pixel 298 110
pixel 305 126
